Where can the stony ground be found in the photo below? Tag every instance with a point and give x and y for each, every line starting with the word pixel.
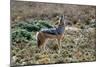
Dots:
pixel 78 45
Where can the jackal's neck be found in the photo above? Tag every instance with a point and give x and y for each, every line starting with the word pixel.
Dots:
pixel 61 29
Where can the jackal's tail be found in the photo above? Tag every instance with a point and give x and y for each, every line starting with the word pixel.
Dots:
pixel 38 38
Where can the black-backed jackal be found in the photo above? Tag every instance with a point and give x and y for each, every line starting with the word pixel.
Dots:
pixel 53 33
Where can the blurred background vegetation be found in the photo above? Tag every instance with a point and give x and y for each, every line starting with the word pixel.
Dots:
pixel 29 17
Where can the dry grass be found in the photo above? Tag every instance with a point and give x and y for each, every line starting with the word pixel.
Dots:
pixel 79 44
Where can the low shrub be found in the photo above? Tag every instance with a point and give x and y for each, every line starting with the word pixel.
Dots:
pixel 23 31
pixel 21 35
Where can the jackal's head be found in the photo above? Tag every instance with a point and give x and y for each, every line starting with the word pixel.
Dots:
pixel 63 21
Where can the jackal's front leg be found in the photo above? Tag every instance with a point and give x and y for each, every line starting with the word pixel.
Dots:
pixel 59 45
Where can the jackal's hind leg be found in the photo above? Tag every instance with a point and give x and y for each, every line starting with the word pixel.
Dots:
pixel 40 43
pixel 45 47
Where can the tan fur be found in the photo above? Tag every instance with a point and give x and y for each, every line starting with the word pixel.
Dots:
pixel 43 38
